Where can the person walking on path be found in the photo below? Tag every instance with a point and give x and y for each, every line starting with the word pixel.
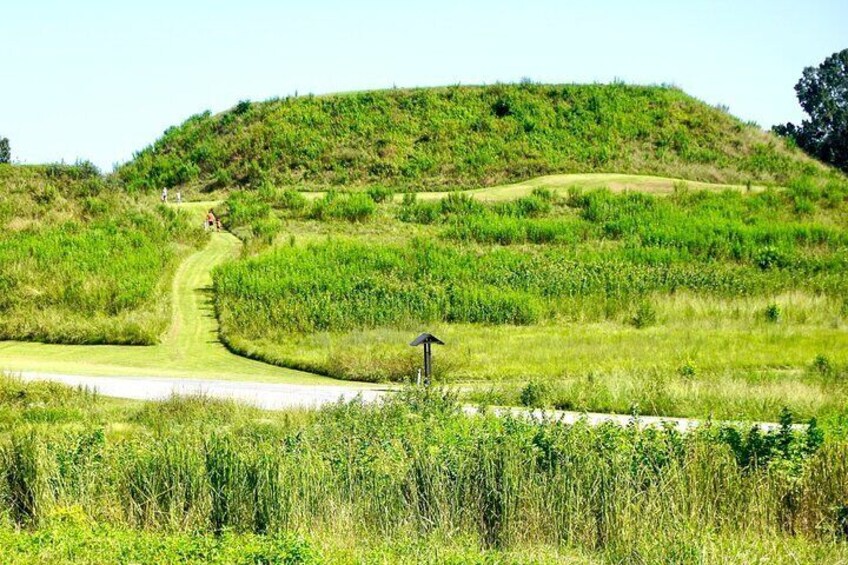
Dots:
pixel 212 222
pixel 164 194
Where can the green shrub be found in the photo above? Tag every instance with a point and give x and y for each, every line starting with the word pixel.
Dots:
pixel 769 258
pixel 525 207
pixel 459 204
pixel 244 208
pixel 688 370
pixel 292 200
pixel 773 313
pixel 823 366
pixel 644 316
pixel 380 193
pixel 413 211
pixel 242 107
pixel 535 394
pixel 354 207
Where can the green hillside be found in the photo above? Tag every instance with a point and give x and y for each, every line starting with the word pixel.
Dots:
pixel 613 283
pixel 465 137
pixel 82 262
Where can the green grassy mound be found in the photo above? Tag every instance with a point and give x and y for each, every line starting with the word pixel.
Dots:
pixel 80 262
pixel 463 137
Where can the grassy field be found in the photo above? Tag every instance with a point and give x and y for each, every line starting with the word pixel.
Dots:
pixel 716 302
pixel 727 303
pixel 464 137
pixel 604 248
pixel 188 348
pixel 80 262
pixel 408 480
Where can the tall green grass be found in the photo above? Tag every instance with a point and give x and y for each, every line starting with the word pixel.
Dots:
pixel 342 286
pixel 745 284
pixel 414 467
pixel 82 263
pixel 766 229
pixel 259 217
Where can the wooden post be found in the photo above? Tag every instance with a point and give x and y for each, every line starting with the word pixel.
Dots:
pixel 427 340
pixel 427 363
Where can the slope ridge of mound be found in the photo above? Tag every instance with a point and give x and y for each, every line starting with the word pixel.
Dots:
pixel 466 137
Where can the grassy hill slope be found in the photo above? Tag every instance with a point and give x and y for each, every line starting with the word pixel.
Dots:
pixel 465 137
pixel 80 261
pixel 725 303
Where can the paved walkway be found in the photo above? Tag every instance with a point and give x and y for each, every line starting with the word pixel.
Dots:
pixel 270 396
pixel 277 396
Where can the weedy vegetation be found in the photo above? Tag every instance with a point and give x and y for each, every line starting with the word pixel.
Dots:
pixel 601 296
pixel 726 303
pixel 81 262
pixel 411 476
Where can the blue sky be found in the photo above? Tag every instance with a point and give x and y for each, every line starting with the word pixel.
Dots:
pixel 99 80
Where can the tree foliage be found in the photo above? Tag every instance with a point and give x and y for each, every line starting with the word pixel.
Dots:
pixel 823 94
pixel 5 151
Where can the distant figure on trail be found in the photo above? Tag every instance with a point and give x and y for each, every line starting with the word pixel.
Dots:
pixel 212 221
pixel 179 196
pixel 165 194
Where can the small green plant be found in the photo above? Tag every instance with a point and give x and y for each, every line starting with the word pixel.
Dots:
pixel 773 313
pixel 804 206
pixel 355 207
pixel 687 370
pixel 544 193
pixel 292 200
pixel 770 258
pixel 644 316
pixel 535 394
pixel 822 365
pixel 380 193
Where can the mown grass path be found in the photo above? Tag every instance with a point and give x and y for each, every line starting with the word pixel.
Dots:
pixel 190 348
pixel 561 184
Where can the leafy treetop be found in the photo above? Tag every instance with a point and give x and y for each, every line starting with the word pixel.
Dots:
pixel 5 151
pixel 823 94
